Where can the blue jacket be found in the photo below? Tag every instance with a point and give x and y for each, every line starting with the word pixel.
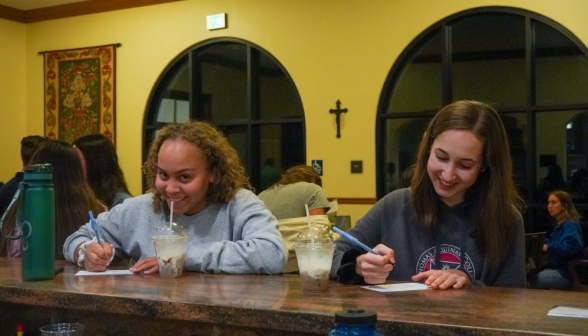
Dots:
pixel 565 243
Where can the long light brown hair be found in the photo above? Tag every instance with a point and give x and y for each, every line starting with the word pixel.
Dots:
pixel 104 174
pixel 494 197
pixel 73 197
pixel 221 157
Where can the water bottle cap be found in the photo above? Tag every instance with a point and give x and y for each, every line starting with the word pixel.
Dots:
pixel 355 317
pixel 39 172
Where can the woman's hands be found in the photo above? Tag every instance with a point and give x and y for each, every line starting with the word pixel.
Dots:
pixel 146 265
pixel 375 268
pixel 444 279
pixel 98 257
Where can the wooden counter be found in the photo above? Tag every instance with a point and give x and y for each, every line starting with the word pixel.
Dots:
pixel 206 304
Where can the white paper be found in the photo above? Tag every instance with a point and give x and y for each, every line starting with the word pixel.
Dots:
pixel 113 272
pixel 397 287
pixel 569 311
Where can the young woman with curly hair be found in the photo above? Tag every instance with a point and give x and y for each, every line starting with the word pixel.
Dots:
pixel 230 230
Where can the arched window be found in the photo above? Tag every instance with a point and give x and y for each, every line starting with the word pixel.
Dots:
pixel 242 90
pixel 530 68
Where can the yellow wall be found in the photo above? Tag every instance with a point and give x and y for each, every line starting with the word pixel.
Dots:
pixel 13 121
pixel 333 49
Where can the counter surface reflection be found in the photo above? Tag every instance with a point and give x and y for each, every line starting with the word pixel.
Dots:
pixel 208 304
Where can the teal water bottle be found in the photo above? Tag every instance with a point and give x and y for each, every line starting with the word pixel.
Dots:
pixel 36 219
pixel 355 322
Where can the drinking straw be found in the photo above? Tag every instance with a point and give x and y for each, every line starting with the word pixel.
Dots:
pixel 309 226
pixel 171 216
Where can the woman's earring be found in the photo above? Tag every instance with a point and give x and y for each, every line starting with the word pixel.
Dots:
pixel 483 170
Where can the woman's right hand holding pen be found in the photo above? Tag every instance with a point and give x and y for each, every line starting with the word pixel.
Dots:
pixel 98 257
pixel 375 268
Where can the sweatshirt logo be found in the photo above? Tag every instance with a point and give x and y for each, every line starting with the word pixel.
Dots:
pixel 450 258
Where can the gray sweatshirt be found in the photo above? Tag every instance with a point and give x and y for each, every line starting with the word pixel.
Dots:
pixel 392 222
pixel 239 237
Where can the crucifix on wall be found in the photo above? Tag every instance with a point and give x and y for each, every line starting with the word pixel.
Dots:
pixel 337 113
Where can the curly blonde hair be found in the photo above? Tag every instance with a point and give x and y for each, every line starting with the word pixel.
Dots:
pixel 221 157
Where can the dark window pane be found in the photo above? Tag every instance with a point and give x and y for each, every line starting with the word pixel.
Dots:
pixel 238 138
pixel 278 95
pixel 516 126
pixel 223 71
pixel 489 59
pixel 562 68
pixel 270 145
pixel 577 158
pixel 243 91
pixel 553 166
pixel 404 137
pixel 418 87
pixel 174 103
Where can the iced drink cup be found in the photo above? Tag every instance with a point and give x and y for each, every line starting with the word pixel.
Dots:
pixel 314 259
pixel 171 254
pixel 170 249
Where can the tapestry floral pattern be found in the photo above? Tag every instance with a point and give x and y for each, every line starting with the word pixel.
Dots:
pixel 79 92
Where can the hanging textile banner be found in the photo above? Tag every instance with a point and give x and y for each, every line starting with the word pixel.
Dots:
pixel 80 92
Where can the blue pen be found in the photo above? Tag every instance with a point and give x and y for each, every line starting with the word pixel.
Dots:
pixel 94 226
pixel 355 241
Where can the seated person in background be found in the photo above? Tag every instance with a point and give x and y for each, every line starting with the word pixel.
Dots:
pixel 286 199
pixel 458 224
pixel 407 175
pixel 28 146
pixel 579 185
pixel 73 197
pixel 269 174
pixel 298 186
pixel 564 243
pixel 230 230
pixel 101 169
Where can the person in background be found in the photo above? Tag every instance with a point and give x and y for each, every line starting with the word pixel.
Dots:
pixel 298 186
pixel 28 146
pixel 73 197
pixel 269 174
pixel 407 175
pixel 578 186
pixel 564 243
pixel 458 224
pixel 101 169
pixel 554 180
pixel 192 165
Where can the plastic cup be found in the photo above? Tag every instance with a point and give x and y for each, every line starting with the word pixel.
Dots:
pixel 61 329
pixel 314 256
pixel 170 250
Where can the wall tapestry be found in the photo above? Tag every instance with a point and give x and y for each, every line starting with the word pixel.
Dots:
pixel 80 92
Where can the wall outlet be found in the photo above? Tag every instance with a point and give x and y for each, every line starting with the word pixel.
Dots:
pixel 356 167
